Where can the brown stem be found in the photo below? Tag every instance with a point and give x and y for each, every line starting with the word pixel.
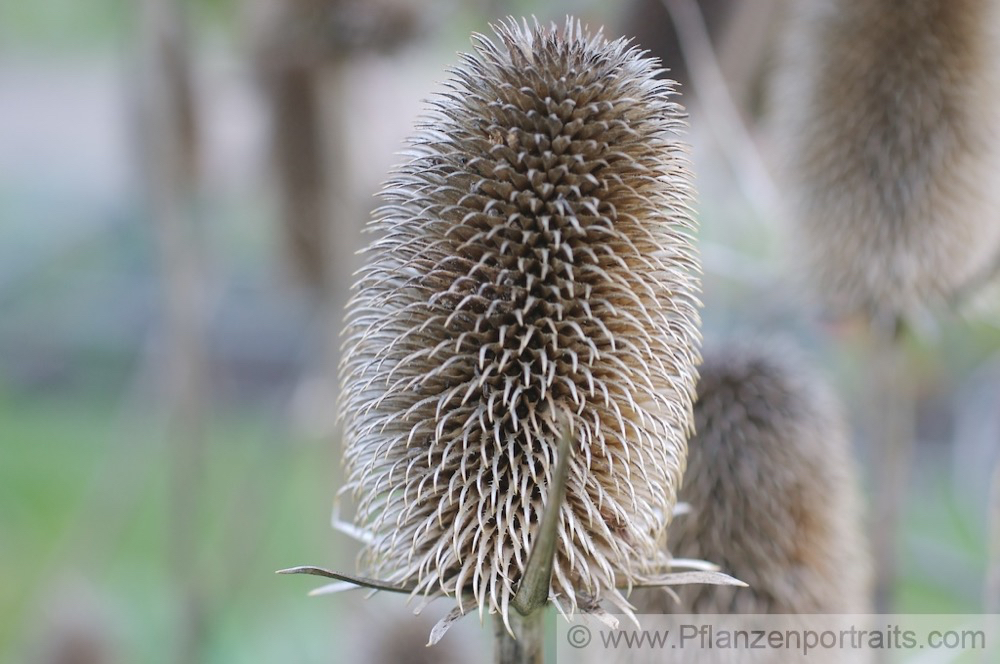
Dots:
pixel 320 216
pixel 298 141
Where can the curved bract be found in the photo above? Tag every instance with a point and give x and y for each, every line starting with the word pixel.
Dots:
pixel 533 274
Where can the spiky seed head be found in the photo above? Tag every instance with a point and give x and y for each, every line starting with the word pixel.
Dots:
pixel 889 111
pixel 772 489
pixel 534 273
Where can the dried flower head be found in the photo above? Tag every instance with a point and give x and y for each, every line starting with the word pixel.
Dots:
pixel 534 275
pixel 890 111
pixel 772 490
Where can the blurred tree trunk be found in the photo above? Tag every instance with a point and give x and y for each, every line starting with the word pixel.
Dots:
pixel 169 155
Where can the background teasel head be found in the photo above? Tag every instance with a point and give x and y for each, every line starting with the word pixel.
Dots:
pixel 890 114
pixel 534 275
pixel 303 52
pixel 308 33
pixel 772 490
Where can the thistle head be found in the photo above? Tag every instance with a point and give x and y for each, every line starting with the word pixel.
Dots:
pixel 533 276
pixel 772 490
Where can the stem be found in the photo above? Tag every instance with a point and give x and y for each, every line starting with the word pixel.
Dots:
pixel 526 645
pixel 892 429
pixel 524 641
pixel 297 143
pixel 167 117
pixel 716 103
pixel 533 592
pixel 992 590
pixel 747 42
pixel 346 217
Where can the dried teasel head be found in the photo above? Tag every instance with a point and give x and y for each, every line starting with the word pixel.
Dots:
pixel 889 111
pixel 772 491
pixel 534 276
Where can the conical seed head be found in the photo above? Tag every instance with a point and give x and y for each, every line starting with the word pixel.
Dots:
pixel 772 489
pixel 889 114
pixel 534 273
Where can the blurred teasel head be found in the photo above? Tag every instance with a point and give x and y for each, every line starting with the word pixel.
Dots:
pixel 533 279
pixel 310 33
pixel 772 490
pixel 889 111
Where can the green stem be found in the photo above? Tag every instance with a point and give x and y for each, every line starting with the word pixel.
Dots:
pixel 533 592
pixel 525 646
pixel 892 428
pixel 993 573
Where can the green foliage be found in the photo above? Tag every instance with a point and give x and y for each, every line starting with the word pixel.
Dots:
pixel 84 497
pixel 56 27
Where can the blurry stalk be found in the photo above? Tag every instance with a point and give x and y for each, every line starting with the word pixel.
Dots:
pixel 891 428
pixel 169 154
pixel 308 149
pixel 297 141
pixel 993 573
pixel 745 48
pixel 340 241
pixel 304 52
pixel 716 103
pixel 312 172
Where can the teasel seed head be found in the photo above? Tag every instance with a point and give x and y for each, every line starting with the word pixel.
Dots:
pixel 772 491
pixel 534 277
pixel 890 114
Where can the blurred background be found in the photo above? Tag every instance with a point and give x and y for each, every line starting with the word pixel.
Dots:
pixel 182 189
